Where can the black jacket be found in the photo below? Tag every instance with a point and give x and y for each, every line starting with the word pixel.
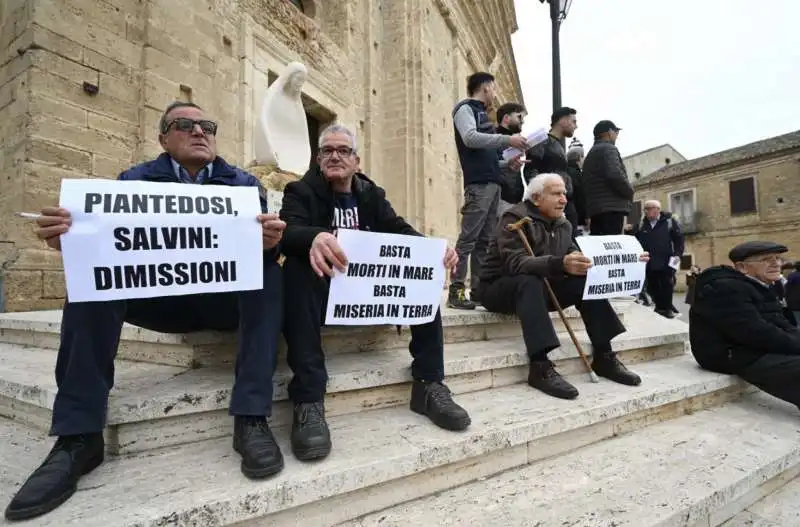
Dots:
pixel 308 207
pixel 605 181
pixel 662 241
pixel 578 197
pixel 734 320
pixel 549 157
pixel 511 189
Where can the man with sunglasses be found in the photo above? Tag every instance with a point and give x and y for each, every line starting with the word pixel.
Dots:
pixel 332 196
pixel 90 331
pixel 738 326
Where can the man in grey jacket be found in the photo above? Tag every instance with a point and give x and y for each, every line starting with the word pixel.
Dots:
pixel 477 143
pixel 609 194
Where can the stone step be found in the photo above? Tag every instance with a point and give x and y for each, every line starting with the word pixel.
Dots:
pixel 696 470
pixel 153 406
pixel 380 458
pixel 42 329
pixel 780 508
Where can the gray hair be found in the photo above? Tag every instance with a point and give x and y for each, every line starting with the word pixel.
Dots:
pixel 574 155
pixel 537 184
pixel 338 129
pixel 651 203
pixel 163 123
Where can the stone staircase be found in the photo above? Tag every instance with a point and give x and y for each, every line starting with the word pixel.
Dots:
pixel 171 459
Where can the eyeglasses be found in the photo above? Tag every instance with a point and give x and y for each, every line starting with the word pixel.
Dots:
pixel 771 260
pixel 343 151
pixel 184 124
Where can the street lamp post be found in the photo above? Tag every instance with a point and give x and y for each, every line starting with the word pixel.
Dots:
pixel 558 12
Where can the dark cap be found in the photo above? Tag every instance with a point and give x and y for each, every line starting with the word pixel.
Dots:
pixel 605 126
pixel 747 249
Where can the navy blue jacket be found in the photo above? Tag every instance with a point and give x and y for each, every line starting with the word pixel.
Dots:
pixel 479 165
pixel 160 170
pixel 661 241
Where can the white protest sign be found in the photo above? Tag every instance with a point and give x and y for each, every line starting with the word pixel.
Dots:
pixel 390 279
pixel 137 239
pixel 616 269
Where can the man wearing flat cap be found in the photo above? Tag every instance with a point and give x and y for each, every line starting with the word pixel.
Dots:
pixel 609 194
pixel 738 326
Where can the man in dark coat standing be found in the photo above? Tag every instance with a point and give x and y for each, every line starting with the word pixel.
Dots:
pixel 738 326
pixel 661 236
pixel 609 194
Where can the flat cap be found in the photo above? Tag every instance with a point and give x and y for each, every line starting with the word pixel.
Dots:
pixel 747 249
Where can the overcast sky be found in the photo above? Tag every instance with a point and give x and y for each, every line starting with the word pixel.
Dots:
pixel 702 75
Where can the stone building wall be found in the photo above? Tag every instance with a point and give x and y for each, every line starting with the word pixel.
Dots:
pixel 83 84
pixel 777 185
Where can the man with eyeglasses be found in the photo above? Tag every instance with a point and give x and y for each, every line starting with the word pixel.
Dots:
pixel 738 326
pixel 90 331
pixel 336 195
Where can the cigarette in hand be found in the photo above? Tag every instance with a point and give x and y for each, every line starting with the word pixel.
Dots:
pixel 29 215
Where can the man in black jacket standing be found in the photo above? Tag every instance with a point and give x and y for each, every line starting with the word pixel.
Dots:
pixel 660 235
pixel 738 326
pixel 330 197
pixel 550 157
pixel 510 118
pixel 609 194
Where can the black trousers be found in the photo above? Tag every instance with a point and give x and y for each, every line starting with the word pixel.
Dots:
pixel 778 375
pixel 304 314
pixel 90 333
pixel 526 296
pixel 607 223
pixel 661 286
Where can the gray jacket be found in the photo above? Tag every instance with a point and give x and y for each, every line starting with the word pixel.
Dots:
pixel 605 182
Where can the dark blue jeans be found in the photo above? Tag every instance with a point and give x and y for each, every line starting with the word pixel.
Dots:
pixel 306 305
pixel 90 333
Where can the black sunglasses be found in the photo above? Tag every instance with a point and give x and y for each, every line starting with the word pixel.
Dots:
pixel 184 124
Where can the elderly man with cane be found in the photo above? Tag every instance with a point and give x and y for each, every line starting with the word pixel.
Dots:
pixel 533 267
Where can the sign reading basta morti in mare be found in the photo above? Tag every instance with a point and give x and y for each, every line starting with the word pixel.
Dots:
pixel 136 239
pixel 617 269
pixel 390 279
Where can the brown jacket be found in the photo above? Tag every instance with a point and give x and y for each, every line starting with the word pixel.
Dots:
pixel 550 240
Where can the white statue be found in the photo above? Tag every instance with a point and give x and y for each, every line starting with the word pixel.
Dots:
pixel 282 130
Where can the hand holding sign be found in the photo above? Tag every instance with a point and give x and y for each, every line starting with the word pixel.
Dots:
pixel 576 264
pixel 325 251
pixel 271 229
pixel 53 222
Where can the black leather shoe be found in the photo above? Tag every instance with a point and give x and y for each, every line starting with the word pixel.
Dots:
pixel 55 481
pixel 544 377
pixel 253 440
pixel 434 400
pixel 311 438
pixel 609 366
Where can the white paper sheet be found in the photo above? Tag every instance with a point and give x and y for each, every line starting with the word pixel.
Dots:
pixel 391 279
pixel 137 239
pixel 616 269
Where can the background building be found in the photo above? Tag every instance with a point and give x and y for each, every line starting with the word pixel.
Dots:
pixel 747 193
pixel 644 163
pixel 83 83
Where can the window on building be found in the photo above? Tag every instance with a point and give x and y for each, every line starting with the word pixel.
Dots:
pixel 636 213
pixel 681 205
pixel 742 195
pixel 298 4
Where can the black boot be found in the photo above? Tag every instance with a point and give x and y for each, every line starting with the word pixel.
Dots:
pixel 606 364
pixel 543 376
pixel 55 481
pixel 311 438
pixel 666 313
pixel 253 440
pixel 457 298
pixel 434 400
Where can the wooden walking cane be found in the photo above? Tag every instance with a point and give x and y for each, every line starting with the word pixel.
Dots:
pixel 518 227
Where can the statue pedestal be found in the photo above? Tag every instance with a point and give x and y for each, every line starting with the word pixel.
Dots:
pixel 274 181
